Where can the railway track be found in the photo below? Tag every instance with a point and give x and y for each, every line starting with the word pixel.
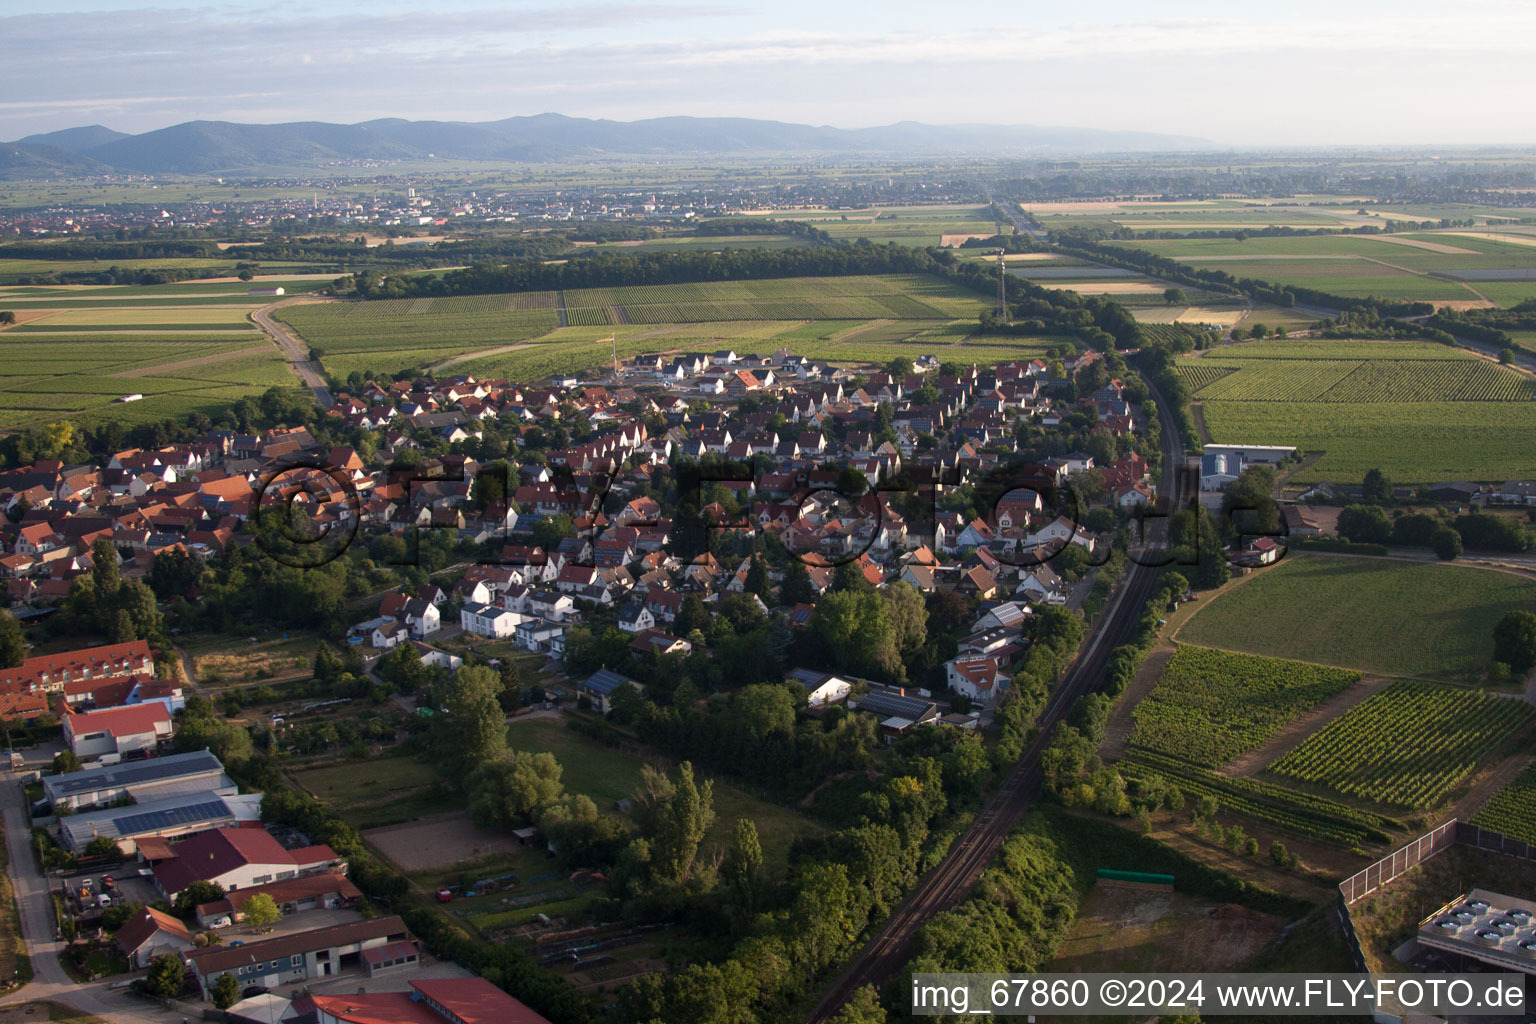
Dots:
pixel 947 883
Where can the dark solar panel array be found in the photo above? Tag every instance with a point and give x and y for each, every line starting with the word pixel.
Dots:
pixel 893 704
pixel 154 821
pixel 138 771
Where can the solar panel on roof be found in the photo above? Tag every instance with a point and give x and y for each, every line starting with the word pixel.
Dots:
pixel 894 704
pixel 133 772
pixel 156 820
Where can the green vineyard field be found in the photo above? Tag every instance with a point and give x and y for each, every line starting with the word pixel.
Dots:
pixel 1311 816
pixel 1512 810
pixel 1209 706
pixel 1408 746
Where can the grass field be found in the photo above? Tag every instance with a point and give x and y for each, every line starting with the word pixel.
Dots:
pixel 385 791
pixel 1210 706
pixel 1408 746
pixel 1381 616
pixel 608 775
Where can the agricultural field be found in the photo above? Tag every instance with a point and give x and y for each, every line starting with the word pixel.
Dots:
pixel 1209 706
pixel 80 377
pixel 1413 443
pixel 1408 746
pixel 527 336
pixel 1310 815
pixel 1512 810
pixel 1431 266
pixel 917 226
pixel 1381 616
pixel 1419 411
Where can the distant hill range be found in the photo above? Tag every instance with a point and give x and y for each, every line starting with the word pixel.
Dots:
pixel 202 147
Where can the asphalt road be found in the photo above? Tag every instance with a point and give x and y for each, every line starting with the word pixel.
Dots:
pixel 944 886
pixel 35 908
pixel 296 351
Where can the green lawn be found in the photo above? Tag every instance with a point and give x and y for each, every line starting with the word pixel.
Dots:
pixel 381 791
pixel 1380 616
pixel 608 775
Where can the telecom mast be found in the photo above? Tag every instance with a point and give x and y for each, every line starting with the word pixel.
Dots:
pixel 1002 290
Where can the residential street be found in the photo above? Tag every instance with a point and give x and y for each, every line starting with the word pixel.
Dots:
pixel 37 929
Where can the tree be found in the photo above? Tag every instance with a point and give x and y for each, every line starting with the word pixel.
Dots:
pixel 1446 543
pixel 226 991
pixel 65 761
pixel 1506 354
pixel 103 846
pixel 796 587
pixel 757 579
pixel 909 616
pixel 510 793
pixel 1514 641
pixel 863 1007
pixel 743 864
pixel 7 316
pixel 549 531
pixel 1175 297
pixel 1376 488
pixel 1364 524
pixel 856 626
pixel 165 977
pixel 849 576
pixel 899 368
pixel 674 815
pixel 475 725
pixel 13 646
pixel 195 895
pixel 260 911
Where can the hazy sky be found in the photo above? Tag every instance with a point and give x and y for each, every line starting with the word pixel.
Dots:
pixel 1293 72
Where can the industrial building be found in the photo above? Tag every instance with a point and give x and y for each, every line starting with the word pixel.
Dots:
pixel 158 778
pixel 1487 927
pixel 159 819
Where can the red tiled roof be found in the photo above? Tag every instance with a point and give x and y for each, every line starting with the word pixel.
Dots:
pixel 213 853
pixel 144 925
pixel 133 720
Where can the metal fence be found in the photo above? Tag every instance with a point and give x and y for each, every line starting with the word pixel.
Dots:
pixel 1470 835
pixel 1395 863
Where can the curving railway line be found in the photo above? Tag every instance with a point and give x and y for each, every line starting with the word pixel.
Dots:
pixel 944 886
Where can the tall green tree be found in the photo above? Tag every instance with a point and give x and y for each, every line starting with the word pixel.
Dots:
pixel 743 865
pixel 504 793
pixel 1377 489
pixel 13 646
pixel 857 628
pixel 674 815
pixel 226 991
pixel 757 579
pixel 1514 641
pixel 796 587
pixel 475 727
pixel 165 977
